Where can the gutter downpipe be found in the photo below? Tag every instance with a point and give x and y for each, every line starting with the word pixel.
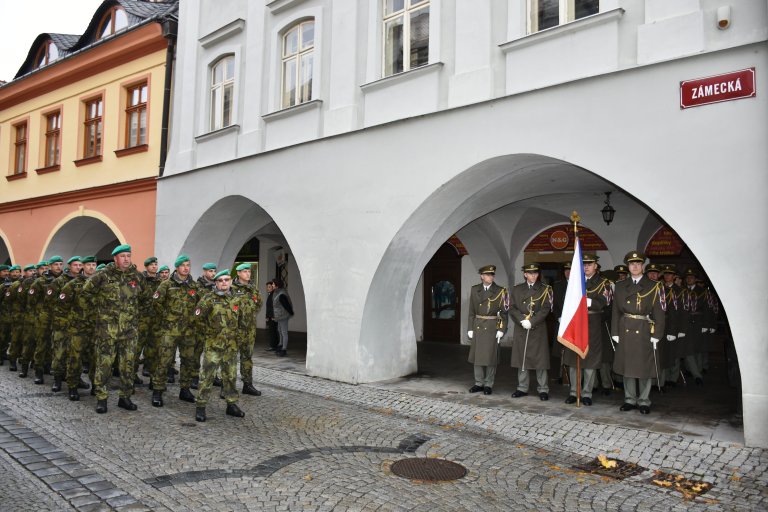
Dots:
pixel 170 29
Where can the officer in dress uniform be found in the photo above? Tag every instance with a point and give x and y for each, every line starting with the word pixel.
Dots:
pixel 698 325
pixel 558 293
pixel 637 324
pixel 487 322
pixel 677 318
pixel 530 303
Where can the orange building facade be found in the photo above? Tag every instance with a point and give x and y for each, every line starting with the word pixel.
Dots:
pixel 81 137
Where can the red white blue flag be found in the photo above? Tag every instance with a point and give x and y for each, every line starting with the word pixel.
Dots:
pixel 574 325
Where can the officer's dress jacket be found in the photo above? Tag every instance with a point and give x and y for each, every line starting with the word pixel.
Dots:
pixel 484 349
pixel 535 303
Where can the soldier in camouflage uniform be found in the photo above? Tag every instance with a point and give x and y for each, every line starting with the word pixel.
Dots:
pixel 220 316
pixel 207 284
pixel 147 324
pixel 60 320
pixel 251 304
pixel 5 339
pixel 16 300
pixel 115 292
pixel 164 273
pixel 79 329
pixel 39 303
pixel 174 302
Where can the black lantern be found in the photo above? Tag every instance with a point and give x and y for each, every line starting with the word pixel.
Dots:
pixel 608 211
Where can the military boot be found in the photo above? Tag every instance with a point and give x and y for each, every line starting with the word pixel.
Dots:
pixel 83 385
pixel 101 406
pixel 248 389
pixel 56 384
pixel 12 367
pixel 186 395
pixel 195 382
pixel 137 381
pixel 200 414
pixel 217 381
pixel 157 398
pixel 171 376
pixel 39 377
pixel 74 395
pixel 126 403
pixel 93 390
pixel 24 370
pixel 234 410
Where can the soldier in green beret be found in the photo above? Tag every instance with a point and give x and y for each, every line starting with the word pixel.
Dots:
pixel 115 292
pixel 207 284
pixel 251 304
pixel 146 349
pixel 38 293
pixel 17 300
pixel 174 302
pixel 5 333
pixel 80 329
pixel 164 272
pixel 220 314
pixel 60 322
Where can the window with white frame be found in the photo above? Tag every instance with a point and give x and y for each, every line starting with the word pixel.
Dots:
pixel 406 35
pixel 298 63
pixel 545 14
pixel 222 92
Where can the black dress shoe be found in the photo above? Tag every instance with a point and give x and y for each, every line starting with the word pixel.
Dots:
pixel 644 409
pixel 248 389
pixel 627 407
pixel 476 389
pixel 126 403
pixel 518 394
pixel 74 395
pixel 157 398
pixel 200 414
pixel 543 397
pixel 570 400
pixel 101 406
pixel 586 400
pixel 234 410
pixel 271 349
pixel 217 382
pixel 607 392
pixel 186 395
pixel 699 381
pixel 282 353
pixel 83 385
pixel 487 390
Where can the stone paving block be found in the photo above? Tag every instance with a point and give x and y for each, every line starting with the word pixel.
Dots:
pixel 109 493
pixel 64 485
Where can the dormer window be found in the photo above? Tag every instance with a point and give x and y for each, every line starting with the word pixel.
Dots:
pixel 114 20
pixel 46 54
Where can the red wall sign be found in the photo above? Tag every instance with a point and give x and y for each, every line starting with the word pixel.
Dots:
pixel 714 89
pixel 664 243
pixel 560 238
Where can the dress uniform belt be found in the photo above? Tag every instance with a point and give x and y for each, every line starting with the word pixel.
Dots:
pixel 483 317
pixel 594 312
pixel 638 317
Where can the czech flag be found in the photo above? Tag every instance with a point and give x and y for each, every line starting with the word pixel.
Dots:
pixel 574 325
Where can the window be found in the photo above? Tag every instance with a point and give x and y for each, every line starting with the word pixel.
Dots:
pixel 298 61
pixel 20 149
pixel 551 13
pixel 406 35
pixel 53 139
pixel 114 20
pixel 222 92
pixel 136 116
pixel 92 125
pixel 46 54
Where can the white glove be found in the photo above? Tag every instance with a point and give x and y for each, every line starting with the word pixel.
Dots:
pixel 525 323
pixel 499 335
pixel 470 334
pixel 711 330
pixel 681 335
pixel 670 337
pixel 589 302
pixel 704 330
pixel 558 319
pixel 615 339
pixel 654 341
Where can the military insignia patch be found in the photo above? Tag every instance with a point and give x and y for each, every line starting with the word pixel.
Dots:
pixel 63 296
pixel 49 292
pixel 7 294
pixel 197 312
pixel 191 293
pixel 234 308
pixel 31 291
pixel 20 289
pixel 156 295
pixel 133 284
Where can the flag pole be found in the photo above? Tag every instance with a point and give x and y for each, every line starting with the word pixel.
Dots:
pixel 575 218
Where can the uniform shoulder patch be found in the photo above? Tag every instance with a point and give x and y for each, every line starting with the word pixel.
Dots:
pixel 198 311
pixel 31 291
pixel 63 296
pixel 49 292
pixel 156 295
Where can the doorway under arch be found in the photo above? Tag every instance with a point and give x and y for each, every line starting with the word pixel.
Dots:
pixel 83 236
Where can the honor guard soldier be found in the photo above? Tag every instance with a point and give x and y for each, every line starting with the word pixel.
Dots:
pixel 599 294
pixel 677 319
pixel 558 298
pixel 622 272
pixel 530 303
pixel 115 292
pixel 637 324
pixel 487 322
pixel 698 325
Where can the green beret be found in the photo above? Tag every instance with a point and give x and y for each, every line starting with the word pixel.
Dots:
pixel 150 261
pixel 243 266
pixel 209 266
pixel 55 259
pixel 5 267
pixel 73 258
pixel 30 267
pixel 121 248
pixel 41 264
pixel 224 272
pixel 15 267
pixel 100 266
pixel 181 259
pixel 164 268
pixel 88 259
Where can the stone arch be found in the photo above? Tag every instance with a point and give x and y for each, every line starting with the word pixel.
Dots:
pixel 6 251
pixel 83 232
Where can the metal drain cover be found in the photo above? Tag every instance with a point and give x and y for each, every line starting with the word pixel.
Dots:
pixel 430 470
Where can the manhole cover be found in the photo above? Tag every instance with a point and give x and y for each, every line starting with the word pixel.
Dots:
pixel 431 470
pixel 620 470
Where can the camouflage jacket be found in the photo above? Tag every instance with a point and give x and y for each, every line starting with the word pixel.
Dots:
pixel 37 300
pixel 80 315
pixel 56 306
pixel 219 316
pixel 250 302
pixel 115 295
pixel 174 302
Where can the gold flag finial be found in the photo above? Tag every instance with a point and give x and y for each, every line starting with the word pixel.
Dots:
pixel 575 218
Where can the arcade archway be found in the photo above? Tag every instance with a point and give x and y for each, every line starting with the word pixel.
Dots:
pixel 83 235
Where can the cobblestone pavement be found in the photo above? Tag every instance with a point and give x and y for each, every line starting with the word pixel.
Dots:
pixel 312 444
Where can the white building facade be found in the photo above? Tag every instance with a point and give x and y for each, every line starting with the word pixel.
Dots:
pixel 356 137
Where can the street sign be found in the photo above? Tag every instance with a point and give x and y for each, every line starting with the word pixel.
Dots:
pixel 717 88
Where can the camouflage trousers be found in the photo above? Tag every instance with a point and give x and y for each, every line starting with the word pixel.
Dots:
pixel 5 339
pixel 166 351
pixel 146 344
pixel 79 350
pixel 59 344
pixel 17 344
pixel 213 359
pixel 43 354
pixel 109 344
pixel 245 347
